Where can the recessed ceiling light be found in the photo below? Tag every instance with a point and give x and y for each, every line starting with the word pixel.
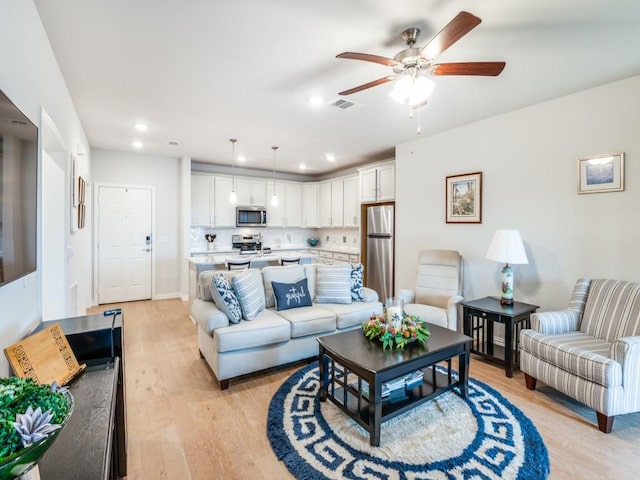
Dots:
pixel 315 100
pixel 330 157
pixel 141 127
pixel 303 166
pixel 137 144
pixel 242 158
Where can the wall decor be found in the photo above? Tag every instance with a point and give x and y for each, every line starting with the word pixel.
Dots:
pixel 601 173
pixel 463 198
pixel 81 215
pixel 81 187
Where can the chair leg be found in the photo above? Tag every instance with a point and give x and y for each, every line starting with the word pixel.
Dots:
pixel 530 381
pixel 605 424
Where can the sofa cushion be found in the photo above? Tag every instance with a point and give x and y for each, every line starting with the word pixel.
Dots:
pixel 357 294
pixel 288 274
pixel 354 313
pixel 575 352
pixel 310 273
pixel 333 283
pixel 291 295
pixel 225 298
pixel 267 328
pixel 204 284
pixel 250 292
pixel 309 320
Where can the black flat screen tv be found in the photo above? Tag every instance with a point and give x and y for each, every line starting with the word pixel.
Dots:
pixel 18 193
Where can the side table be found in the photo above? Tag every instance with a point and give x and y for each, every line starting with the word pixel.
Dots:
pixel 97 340
pixel 479 317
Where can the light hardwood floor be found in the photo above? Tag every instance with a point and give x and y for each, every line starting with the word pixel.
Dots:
pixel 182 426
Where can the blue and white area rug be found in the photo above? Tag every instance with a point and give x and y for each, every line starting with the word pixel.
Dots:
pixel 482 437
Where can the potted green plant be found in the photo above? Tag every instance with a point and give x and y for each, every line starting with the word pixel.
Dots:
pixel 31 417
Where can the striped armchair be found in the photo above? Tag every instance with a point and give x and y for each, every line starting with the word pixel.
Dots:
pixel 591 350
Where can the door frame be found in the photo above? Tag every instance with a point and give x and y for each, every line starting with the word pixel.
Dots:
pixel 96 224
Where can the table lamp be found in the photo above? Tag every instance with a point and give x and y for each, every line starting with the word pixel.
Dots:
pixel 506 247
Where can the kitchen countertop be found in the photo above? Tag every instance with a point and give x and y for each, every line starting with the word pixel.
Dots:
pixel 221 258
pixel 226 250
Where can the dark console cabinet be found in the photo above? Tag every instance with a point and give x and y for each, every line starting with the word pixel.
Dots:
pixel 98 436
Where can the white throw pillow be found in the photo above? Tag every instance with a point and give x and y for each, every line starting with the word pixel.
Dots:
pixel 250 292
pixel 333 283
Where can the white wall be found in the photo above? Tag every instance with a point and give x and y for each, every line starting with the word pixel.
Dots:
pixel 164 174
pixel 529 163
pixel 30 77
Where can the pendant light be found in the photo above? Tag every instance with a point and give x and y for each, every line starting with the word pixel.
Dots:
pixel 274 198
pixel 233 198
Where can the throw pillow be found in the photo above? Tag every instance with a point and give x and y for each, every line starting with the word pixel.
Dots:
pixel 250 292
pixel 291 295
pixel 225 298
pixel 333 283
pixel 357 293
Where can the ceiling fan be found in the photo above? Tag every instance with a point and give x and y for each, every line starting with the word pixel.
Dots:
pixel 410 63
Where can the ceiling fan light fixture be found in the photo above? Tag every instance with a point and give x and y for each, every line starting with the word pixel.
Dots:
pixel 409 90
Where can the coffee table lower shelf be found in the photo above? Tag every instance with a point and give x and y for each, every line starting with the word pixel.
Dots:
pixel 357 404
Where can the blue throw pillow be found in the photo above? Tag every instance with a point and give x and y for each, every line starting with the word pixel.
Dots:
pixel 225 298
pixel 291 295
pixel 357 293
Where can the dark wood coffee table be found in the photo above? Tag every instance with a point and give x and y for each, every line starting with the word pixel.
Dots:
pixel 348 359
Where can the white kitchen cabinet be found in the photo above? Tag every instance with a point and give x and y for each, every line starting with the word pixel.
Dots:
pixel 287 212
pixel 202 200
pixel 337 203
pixel 292 207
pixel 224 212
pixel 310 195
pixel 251 192
pixel 324 209
pixel 276 214
pixel 377 184
pixel 351 203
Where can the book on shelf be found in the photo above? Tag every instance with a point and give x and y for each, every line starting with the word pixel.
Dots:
pixel 396 386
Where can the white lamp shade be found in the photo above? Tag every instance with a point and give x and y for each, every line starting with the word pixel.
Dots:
pixel 507 247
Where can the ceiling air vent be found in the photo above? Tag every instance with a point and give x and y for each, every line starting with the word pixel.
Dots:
pixel 343 104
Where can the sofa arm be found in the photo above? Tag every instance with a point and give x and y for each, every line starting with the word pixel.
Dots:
pixel 550 323
pixel 369 294
pixel 452 312
pixel 208 316
pixel 626 351
pixel 407 296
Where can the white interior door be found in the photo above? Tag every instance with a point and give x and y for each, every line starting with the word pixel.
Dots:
pixel 124 244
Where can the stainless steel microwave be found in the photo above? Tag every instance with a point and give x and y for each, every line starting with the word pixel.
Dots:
pixel 251 216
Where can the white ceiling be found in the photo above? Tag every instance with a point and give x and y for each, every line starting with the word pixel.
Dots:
pixel 202 71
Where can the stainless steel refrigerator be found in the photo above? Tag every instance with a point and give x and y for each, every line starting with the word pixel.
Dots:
pixel 380 249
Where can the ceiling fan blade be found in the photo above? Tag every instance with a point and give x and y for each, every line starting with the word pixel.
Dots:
pixel 375 83
pixel 457 28
pixel 488 69
pixel 389 62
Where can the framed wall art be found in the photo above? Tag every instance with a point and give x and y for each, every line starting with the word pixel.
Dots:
pixel 463 198
pixel 601 173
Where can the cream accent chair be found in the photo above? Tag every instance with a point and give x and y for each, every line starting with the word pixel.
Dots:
pixel 589 351
pixel 438 288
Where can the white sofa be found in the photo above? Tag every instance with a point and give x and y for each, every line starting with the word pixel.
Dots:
pixel 273 337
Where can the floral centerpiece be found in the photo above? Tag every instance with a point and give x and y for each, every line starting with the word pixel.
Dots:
pixel 31 415
pixel 396 330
